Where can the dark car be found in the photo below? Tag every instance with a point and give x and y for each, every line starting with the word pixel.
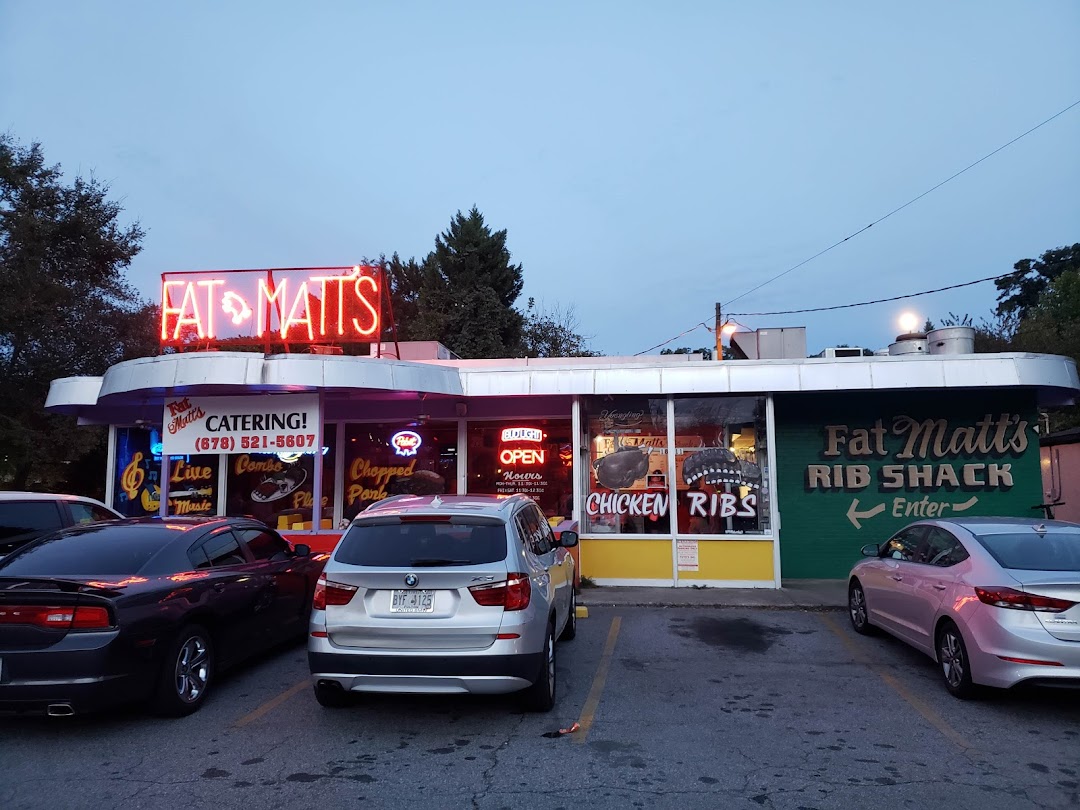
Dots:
pixel 26 516
pixel 150 609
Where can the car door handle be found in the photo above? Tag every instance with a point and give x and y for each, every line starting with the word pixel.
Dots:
pixel 219 586
pixel 897 577
pixel 939 587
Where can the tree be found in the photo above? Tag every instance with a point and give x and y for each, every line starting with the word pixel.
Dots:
pixel 67 308
pixel 707 354
pixel 1021 290
pixel 553 333
pixel 468 292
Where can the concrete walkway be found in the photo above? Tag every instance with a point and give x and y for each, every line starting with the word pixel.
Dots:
pixel 797 594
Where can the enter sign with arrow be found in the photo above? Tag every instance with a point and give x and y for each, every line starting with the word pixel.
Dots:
pixel 856 517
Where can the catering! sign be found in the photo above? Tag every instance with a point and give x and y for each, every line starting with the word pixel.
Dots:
pixel 266 424
pixel 314 305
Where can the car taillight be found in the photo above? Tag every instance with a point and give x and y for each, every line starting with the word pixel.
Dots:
pixel 331 593
pixel 1018 600
pixel 514 594
pixel 57 617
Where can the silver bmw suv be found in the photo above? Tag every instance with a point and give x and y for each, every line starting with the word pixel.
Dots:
pixel 442 595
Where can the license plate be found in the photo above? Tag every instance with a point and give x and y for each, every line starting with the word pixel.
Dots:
pixel 413 602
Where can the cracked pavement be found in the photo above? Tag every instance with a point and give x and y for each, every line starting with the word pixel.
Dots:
pixel 737 708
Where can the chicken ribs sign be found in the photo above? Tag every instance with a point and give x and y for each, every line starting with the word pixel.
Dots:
pixel 312 305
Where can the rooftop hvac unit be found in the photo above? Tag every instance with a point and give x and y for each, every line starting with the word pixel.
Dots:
pixel 833 352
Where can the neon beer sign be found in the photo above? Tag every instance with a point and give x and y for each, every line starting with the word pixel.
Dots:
pixel 313 305
pixel 522 456
pixel 406 442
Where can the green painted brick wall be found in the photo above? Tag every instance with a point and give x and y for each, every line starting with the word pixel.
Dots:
pixel 818 537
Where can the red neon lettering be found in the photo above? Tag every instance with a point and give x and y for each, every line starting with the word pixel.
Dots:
pixel 374 313
pixel 278 296
pixel 340 281
pixel 301 296
pixel 195 319
pixel 166 308
pixel 525 457
pixel 210 284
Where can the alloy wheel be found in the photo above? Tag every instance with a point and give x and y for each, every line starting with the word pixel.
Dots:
pixel 192 669
pixel 857 606
pixel 951 653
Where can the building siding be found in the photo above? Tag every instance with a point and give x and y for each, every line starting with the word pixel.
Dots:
pixel 827 514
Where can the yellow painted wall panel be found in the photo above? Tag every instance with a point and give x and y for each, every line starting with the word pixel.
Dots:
pixel 733 559
pixel 626 559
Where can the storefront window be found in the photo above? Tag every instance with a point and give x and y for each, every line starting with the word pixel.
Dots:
pixel 721 477
pixel 395 458
pixel 137 481
pixel 533 457
pixel 193 485
pixel 627 488
pixel 277 488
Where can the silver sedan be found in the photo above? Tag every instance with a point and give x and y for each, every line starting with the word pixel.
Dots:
pixel 995 601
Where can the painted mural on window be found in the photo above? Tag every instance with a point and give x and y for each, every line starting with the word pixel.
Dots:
pixel 395 458
pixel 137 481
pixel 277 488
pixel 626 487
pixel 721 481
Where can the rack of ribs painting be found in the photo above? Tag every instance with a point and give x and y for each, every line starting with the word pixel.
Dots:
pixel 718 466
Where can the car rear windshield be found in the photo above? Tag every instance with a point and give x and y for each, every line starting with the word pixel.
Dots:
pixel 97 550
pixel 419 544
pixel 21 521
pixel 1030 551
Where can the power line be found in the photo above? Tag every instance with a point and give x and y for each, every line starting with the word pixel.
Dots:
pixel 828 309
pixel 863 230
pixel 868 303
pixel 905 205
pixel 693 328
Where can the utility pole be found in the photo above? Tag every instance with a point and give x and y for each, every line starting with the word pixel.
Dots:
pixel 719 334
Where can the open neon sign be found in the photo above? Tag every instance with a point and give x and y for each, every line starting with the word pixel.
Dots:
pixel 316 305
pixel 522 456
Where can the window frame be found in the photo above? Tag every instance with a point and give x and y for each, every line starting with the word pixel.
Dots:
pixel 200 545
pixel 916 547
pixel 238 532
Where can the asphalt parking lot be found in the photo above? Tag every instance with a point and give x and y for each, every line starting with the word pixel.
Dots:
pixel 677 708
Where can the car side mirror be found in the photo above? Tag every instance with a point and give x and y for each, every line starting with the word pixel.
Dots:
pixel 302 550
pixel 871 550
pixel 568 539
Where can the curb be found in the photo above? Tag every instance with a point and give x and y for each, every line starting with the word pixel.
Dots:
pixel 815 608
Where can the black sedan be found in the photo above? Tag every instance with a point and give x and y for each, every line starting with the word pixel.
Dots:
pixel 145 610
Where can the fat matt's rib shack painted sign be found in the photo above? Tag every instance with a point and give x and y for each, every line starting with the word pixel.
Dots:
pixel 925 457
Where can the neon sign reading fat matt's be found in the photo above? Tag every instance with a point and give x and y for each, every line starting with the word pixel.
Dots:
pixel 340 304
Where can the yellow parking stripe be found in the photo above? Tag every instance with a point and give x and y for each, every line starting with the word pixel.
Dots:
pixel 588 713
pixel 913 700
pixel 271 704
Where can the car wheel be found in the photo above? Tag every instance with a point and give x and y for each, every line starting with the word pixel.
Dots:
pixel 540 697
pixel 570 630
pixel 186 674
pixel 954 662
pixel 332 697
pixel 860 618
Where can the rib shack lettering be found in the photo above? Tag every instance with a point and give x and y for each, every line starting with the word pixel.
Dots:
pixel 981 449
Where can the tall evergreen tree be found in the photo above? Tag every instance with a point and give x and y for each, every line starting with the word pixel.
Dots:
pixel 469 289
pixel 68 309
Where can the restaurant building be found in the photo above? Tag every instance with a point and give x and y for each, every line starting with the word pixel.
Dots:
pixel 674 470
